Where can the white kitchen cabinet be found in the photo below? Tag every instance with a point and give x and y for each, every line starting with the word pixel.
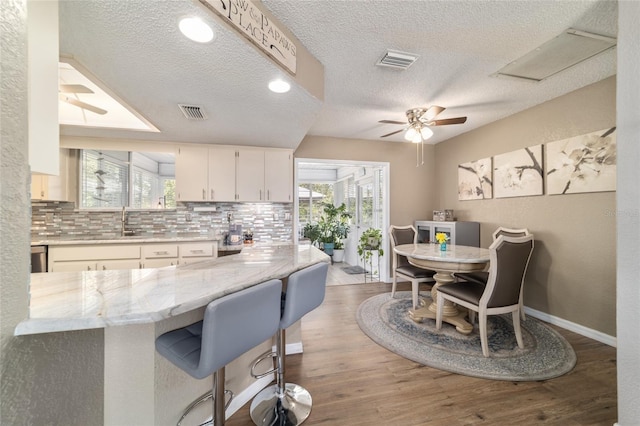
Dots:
pixel 196 252
pixel 159 255
pixel 278 175
pixel 222 174
pixel 106 265
pixel 45 187
pixel 93 257
pixel 227 174
pixel 192 174
pixel 100 257
pixel 250 175
pixel 73 266
pixel 461 233
pixel 264 175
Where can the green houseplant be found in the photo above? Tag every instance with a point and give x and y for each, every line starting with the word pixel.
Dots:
pixel 370 240
pixel 334 226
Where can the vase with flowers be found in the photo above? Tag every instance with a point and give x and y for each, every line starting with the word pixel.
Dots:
pixel 442 239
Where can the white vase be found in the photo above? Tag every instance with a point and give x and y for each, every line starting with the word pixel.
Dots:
pixel 338 255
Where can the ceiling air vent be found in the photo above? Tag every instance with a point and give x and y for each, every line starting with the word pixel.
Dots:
pixel 192 112
pixel 396 59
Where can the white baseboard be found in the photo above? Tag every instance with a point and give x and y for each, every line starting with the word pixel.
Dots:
pixel 247 395
pixel 572 326
pixel 292 348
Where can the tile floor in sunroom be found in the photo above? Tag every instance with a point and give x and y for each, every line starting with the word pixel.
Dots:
pixel 336 276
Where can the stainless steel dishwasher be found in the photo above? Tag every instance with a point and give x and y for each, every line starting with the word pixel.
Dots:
pixel 38 258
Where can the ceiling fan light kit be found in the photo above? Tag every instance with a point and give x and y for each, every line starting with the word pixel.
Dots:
pixel 419 121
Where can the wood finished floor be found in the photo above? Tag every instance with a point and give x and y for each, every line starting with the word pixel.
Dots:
pixel 353 381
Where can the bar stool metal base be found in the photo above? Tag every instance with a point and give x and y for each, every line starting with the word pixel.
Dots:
pixel 290 409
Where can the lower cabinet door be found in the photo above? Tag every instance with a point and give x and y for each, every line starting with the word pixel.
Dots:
pixel 159 263
pixel 118 264
pixel 73 266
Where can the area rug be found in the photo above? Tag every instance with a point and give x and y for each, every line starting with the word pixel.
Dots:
pixel 546 353
pixel 353 269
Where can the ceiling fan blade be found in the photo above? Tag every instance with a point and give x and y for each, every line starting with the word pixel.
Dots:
pixel 392 122
pixel 392 133
pixel 82 105
pixel 432 112
pixel 447 121
pixel 74 88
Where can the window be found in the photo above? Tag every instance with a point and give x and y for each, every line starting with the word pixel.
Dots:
pixel 104 179
pixel 113 179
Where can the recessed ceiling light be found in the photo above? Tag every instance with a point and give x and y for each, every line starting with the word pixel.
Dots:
pixel 195 29
pixel 279 86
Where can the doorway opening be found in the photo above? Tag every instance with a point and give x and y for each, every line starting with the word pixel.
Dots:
pixel 364 189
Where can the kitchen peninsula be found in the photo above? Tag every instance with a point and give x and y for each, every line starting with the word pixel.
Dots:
pixel 135 306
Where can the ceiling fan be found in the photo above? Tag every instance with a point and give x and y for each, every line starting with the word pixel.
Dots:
pixel 418 121
pixel 417 126
pixel 78 88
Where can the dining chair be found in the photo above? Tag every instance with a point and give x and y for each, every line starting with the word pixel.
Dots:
pixel 509 259
pixel 401 266
pixel 481 277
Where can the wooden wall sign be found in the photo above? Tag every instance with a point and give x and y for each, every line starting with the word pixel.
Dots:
pixel 249 20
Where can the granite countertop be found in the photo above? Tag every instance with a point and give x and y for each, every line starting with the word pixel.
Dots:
pixel 135 239
pixel 65 301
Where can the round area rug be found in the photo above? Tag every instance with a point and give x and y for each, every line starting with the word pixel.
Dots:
pixel 546 353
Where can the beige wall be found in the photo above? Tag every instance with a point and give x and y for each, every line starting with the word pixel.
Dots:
pixel 572 273
pixel 411 188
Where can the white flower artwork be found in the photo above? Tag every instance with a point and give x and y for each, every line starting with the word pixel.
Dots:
pixel 585 163
pixel 474 180
pixel 518 173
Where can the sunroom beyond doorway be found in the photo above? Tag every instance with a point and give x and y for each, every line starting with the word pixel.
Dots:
pixel 364 189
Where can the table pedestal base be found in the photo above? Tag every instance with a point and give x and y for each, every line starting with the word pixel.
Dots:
pixel 451 313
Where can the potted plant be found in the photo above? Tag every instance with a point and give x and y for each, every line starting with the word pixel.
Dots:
pixel 334 227
pixel 312 232
pixel 370 241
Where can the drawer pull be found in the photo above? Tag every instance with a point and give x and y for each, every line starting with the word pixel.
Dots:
pixel 197 251
pixel 161 252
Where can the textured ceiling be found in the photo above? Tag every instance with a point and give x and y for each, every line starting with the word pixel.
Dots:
pixel 135 48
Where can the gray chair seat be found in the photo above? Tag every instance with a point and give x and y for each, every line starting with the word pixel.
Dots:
pixel 232 325
pixel 289 404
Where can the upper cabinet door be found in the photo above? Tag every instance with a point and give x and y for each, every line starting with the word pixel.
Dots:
pixel 222 174
pixel 278 176
pixel 250 175
pixel 192 174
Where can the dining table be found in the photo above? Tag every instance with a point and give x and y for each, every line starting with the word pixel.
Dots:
pixel 456 258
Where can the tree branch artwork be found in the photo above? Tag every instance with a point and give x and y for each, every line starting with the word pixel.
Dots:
pixel 585 163
pixel 474 180
pixel 519 173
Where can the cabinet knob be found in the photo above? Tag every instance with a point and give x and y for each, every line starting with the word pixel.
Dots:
pixel 204 194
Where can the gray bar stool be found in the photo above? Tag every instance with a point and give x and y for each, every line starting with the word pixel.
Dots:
pixel 289 404
pixel 232 325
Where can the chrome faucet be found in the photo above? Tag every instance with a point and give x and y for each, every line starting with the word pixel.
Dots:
pixel 123 221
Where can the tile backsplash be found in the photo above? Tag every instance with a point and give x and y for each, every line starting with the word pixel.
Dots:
pixel 58 219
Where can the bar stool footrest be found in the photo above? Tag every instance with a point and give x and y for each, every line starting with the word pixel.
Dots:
pixel 207 396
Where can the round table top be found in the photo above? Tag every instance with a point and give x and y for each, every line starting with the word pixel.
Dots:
pixel 455 253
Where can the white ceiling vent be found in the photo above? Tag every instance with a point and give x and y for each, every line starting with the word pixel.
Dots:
pixel 564 51
pixel 193 112
pixel 396 59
